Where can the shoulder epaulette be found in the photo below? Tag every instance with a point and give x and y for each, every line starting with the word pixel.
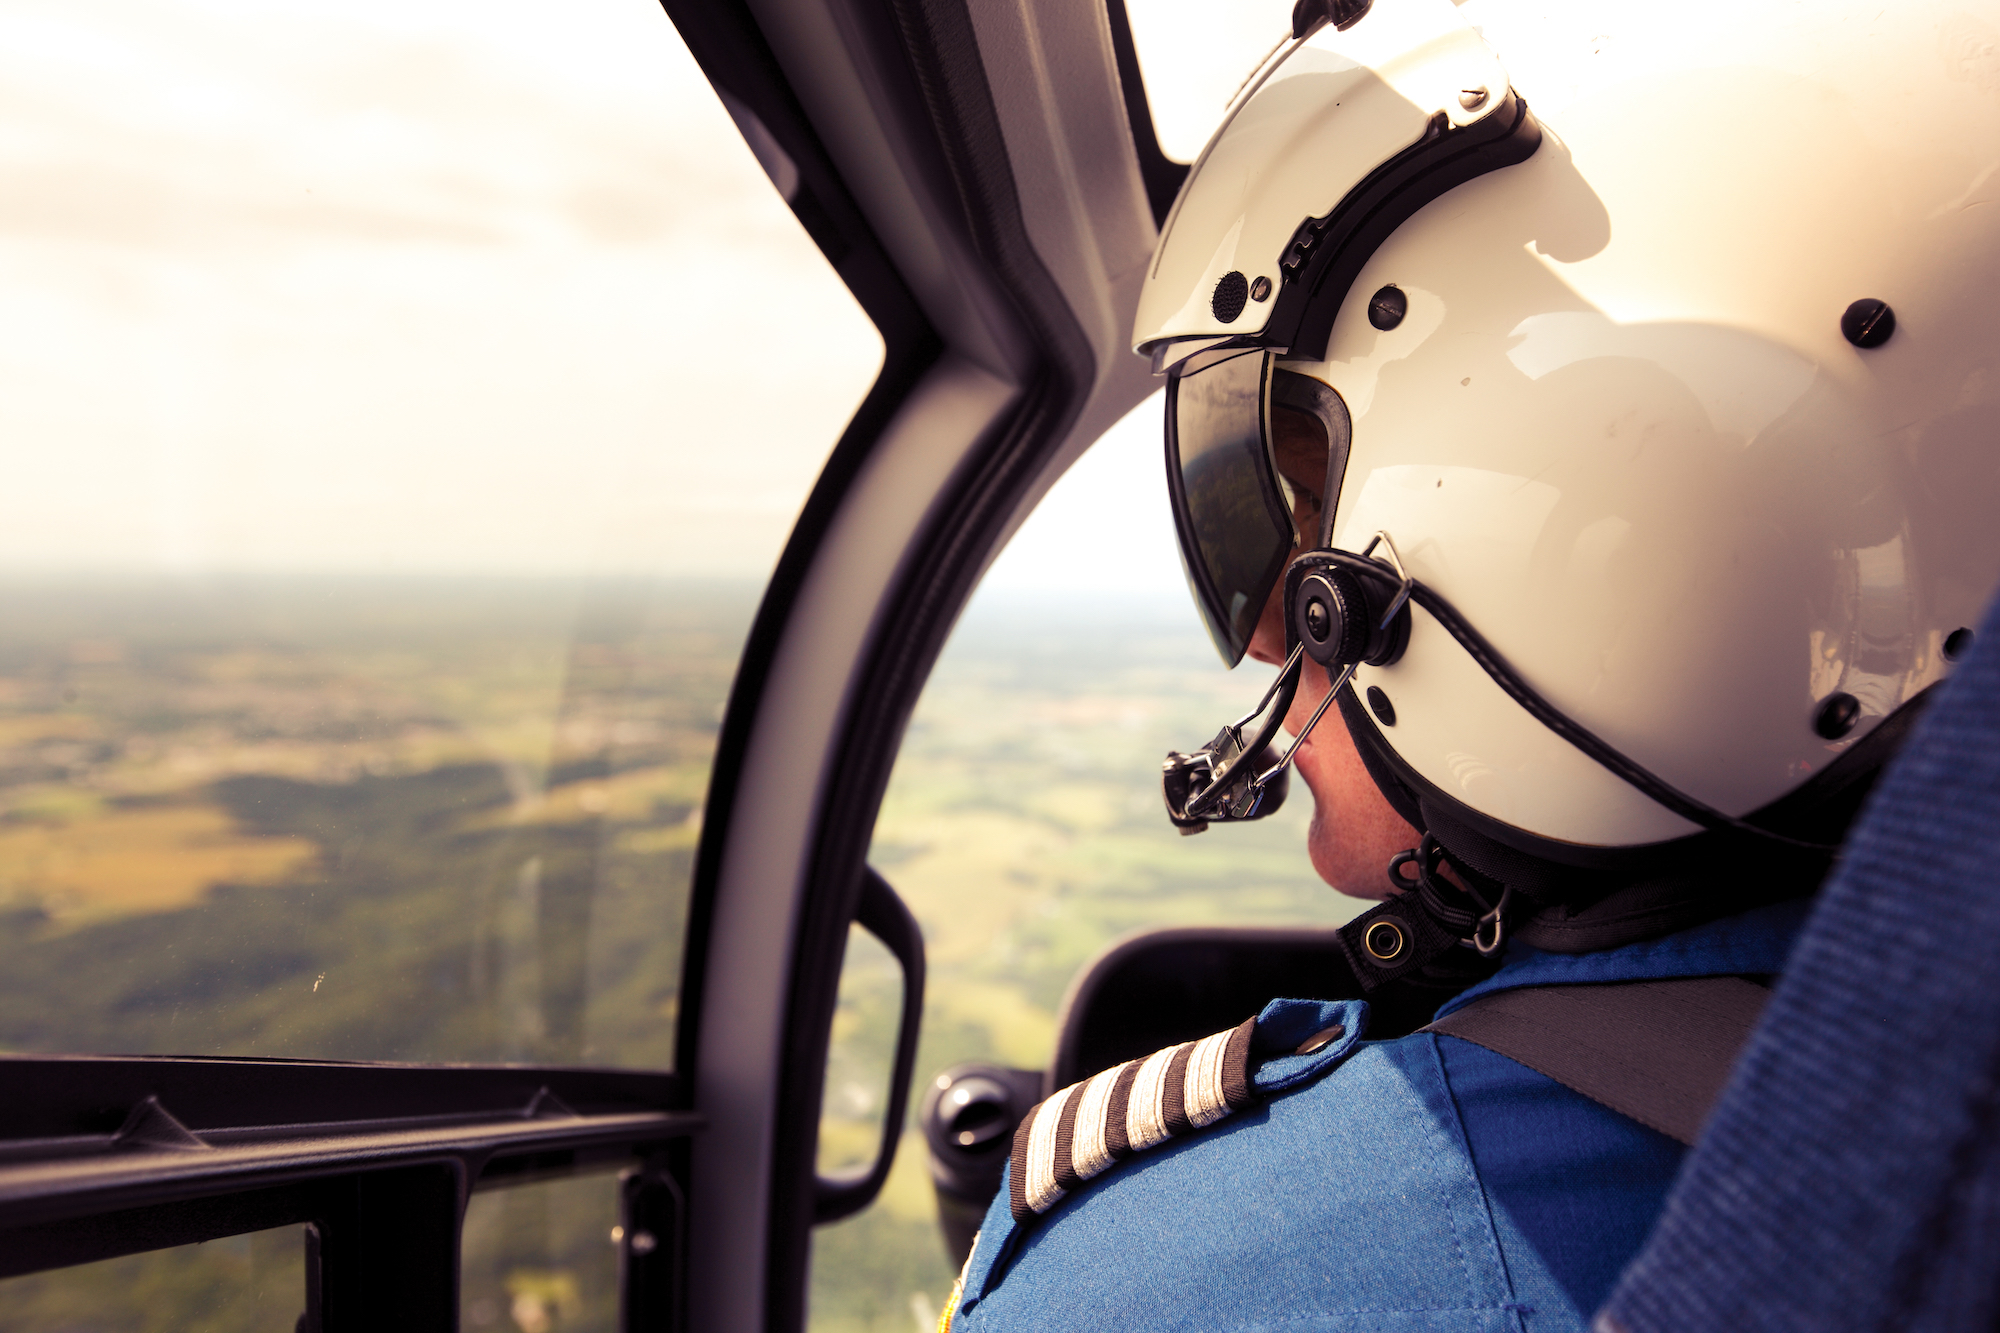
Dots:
pixel 1087 1127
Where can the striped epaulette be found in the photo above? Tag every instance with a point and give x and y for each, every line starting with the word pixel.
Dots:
pixel 1084 1129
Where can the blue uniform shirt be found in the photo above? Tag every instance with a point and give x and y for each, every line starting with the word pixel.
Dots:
pixel 1422 1183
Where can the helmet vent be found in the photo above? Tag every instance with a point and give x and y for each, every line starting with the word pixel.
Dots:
pixel 1379 705
pixel 1230 294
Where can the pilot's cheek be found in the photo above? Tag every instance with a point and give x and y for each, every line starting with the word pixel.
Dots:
pixel 1354 831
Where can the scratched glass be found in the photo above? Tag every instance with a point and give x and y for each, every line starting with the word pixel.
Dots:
pixel 390 482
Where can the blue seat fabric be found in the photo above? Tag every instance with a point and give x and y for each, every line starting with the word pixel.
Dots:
pixel 1850 1176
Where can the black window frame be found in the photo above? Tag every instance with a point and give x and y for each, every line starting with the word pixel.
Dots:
pixel 1163 175
pixel 924 63
pixel 102 1156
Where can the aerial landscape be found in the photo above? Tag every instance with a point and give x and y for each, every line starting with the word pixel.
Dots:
pixel 349 821
pixel 353 819
pixel 454 820
pixel 337 809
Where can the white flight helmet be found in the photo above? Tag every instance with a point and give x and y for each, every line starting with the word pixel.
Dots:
pixel 1672 408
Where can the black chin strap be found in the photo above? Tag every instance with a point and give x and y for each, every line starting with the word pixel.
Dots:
pixel 1484 926
pixel 1428 917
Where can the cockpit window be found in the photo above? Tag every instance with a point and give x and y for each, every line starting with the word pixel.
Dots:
pixel 1023 827
pixel 392 475
pixel 1194 58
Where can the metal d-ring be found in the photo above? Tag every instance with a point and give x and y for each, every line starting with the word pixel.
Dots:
pixel 1396 864
pixel 1395 562
pixel 1221 776
pixel 1495 918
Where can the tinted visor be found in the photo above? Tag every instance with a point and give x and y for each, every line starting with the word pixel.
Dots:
pixel 1234 524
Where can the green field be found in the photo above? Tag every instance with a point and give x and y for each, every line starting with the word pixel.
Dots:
pixel 455 821
pixel 402 821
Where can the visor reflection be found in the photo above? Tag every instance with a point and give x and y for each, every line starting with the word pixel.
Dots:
pixel 1234 528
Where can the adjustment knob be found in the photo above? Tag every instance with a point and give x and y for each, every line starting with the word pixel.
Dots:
pixel 974 1112
pixel 1318 620
pixel 1331 617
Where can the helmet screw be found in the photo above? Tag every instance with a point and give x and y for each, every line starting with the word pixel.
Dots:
pixel 1868 322
pixel 1260 289
pixel 1957 644
pixel 1316 620
pixel 1472 98
pixel 1836 716
pixel 1387 307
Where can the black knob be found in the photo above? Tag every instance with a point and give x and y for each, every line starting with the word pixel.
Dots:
pixel 968 1118
pixel 1868 322
pixel 970 1111
pixel 1836 716
pixel 1387 307
pixel 975 1112
pixel 1317 620
pixel 1332 618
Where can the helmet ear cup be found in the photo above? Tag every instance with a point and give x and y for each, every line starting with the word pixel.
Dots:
pixel 1335 615
pixel 1330 617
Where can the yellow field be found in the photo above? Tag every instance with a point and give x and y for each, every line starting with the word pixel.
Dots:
pixel 113 862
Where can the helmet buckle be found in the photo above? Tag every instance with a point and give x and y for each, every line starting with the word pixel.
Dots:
pixel 1489 933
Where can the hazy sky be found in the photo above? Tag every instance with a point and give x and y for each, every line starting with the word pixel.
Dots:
pixel 448 284
pixel 1195 54
pixel 1105 528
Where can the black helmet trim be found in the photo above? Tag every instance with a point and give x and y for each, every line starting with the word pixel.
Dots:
pixel 1317 399
pixel 1233 549
pixel 1326 254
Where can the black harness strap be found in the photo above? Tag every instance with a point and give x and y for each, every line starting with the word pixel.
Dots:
pixel 1656 1051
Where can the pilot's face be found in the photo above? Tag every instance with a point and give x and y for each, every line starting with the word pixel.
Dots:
pixel 1354 830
